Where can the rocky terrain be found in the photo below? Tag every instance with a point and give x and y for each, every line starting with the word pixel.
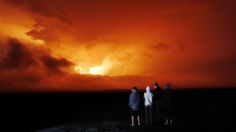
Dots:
pixel 103 127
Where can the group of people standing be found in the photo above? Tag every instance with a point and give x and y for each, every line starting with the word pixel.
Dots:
pixel 157 105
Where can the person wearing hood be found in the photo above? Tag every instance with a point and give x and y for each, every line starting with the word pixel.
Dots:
pixel 134 105
pixel 148 106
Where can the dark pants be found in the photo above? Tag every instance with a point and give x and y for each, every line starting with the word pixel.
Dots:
pixel 158 112
pixel 148 115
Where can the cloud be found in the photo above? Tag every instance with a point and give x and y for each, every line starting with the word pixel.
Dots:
pixel 176 46
pixel 161 46
pixel 42 31
pixel 17 56
pixel 54 64
pixel 23 65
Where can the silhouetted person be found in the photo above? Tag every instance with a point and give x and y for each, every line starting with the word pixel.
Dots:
pixel 134 105
pixel 148 96
pixel 167 111
pixel 157 103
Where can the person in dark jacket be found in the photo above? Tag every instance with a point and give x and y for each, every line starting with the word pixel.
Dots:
pixel 167 110
pixel 134 105
pixel 157 103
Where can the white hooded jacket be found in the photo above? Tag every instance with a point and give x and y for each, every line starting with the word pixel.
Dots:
pixel 148 97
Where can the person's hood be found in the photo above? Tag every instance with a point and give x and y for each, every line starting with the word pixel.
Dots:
pixel 133 90
pixel 148 89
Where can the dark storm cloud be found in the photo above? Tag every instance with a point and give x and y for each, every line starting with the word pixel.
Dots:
pixel 16 55
pixel 54 64
pixel 23 66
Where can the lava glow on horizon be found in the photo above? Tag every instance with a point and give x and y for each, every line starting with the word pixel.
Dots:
pixel 98 45
pixel 97 70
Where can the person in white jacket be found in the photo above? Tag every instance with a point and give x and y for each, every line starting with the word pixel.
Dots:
pixel 148 106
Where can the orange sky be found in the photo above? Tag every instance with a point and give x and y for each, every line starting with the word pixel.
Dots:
pixel 80 45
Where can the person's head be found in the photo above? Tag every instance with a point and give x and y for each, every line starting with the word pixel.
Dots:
pixel 148 88
pixel 134 89
pixel 156 85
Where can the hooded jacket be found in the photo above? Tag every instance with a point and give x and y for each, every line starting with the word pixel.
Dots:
pixel 134 100
pixel 148 97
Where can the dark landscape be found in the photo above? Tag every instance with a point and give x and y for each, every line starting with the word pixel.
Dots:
pixel 193 110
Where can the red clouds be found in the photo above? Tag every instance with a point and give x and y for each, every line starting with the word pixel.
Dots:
pixel 186 42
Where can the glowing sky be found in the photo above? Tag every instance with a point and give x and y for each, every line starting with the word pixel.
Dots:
pixel 84 45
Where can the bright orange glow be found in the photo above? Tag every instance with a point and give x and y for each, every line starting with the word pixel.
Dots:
pixel 95 45
pixel 19 31
pixel 94 70
pixel 97 70
pixel 14 25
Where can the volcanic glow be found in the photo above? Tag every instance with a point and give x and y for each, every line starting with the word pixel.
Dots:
pixel 94 45
pixel 94 70
pixel 97 70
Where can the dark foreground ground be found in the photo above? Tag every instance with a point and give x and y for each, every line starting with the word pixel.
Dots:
pixel 193 110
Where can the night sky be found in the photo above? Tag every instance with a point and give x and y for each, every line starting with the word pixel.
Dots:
pixel 96 45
